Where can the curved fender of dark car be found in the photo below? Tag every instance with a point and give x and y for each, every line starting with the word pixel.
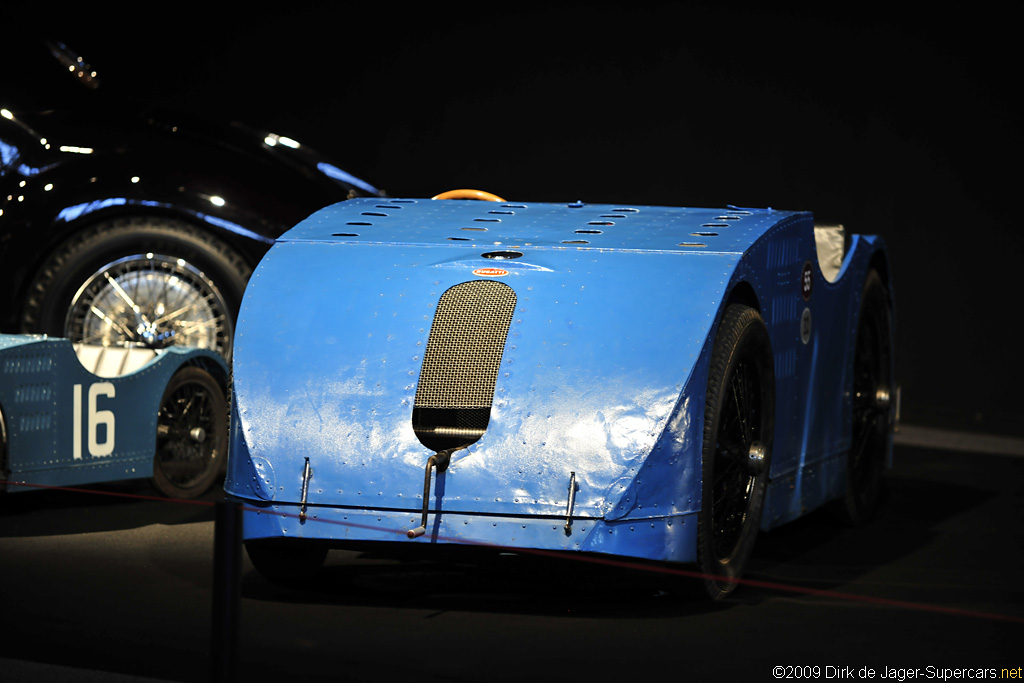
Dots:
pixel 62 171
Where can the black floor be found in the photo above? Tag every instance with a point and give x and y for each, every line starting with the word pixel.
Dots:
pixel 95 586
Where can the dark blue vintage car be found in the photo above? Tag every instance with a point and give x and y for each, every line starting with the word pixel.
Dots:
pixel 100 194
pixel 640 381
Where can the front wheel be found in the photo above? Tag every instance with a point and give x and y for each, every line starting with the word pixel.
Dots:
pixel 738 427
pixel 143 281
pixel 872 405
pixel 192 435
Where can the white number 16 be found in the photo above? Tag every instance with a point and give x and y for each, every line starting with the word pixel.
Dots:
pixel 94 418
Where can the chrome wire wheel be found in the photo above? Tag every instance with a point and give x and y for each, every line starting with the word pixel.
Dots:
pixel 150 300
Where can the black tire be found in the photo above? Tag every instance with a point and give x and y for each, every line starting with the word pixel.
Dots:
pixel 192 435
pixel 871 405
pixel 178 266
pixel 739 418
pixel 286 560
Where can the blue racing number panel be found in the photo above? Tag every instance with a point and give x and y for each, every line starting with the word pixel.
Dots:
pixel 82 414
pixel 642 381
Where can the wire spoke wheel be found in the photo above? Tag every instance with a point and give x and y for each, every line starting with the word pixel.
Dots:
pixel 191 434
pixel 871 405
pixel 733 479
pixel 139 280
pixel 150 300
pixel 738 425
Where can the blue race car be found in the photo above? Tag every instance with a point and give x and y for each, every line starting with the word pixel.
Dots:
pixel 641 381
pixel 73 414
pixel 99 191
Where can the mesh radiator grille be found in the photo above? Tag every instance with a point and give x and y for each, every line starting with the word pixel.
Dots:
pixel 461 363
pixel 467 339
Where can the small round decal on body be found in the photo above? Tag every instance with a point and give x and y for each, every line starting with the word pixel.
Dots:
pixel 807 281
pixel 490 272
pixel 805 326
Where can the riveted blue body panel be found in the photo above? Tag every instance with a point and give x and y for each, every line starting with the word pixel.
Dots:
pixel 602 379
pixel 63 425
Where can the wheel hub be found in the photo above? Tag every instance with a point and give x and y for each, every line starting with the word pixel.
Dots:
pixel 882 398
pixel 153 337
pixel 757 458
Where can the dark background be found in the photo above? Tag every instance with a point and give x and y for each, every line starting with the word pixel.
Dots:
pixel 892 122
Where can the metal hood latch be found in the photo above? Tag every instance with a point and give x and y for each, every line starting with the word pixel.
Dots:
pixel 307 474
pixel 439 460
pixel 573 488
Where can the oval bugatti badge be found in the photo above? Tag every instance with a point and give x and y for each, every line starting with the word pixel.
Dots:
pixel 490 272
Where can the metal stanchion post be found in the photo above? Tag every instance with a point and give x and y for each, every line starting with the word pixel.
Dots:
pixel 227 566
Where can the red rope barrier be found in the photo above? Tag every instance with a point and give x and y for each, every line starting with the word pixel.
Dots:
pixel 116 494
pixel 609 561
